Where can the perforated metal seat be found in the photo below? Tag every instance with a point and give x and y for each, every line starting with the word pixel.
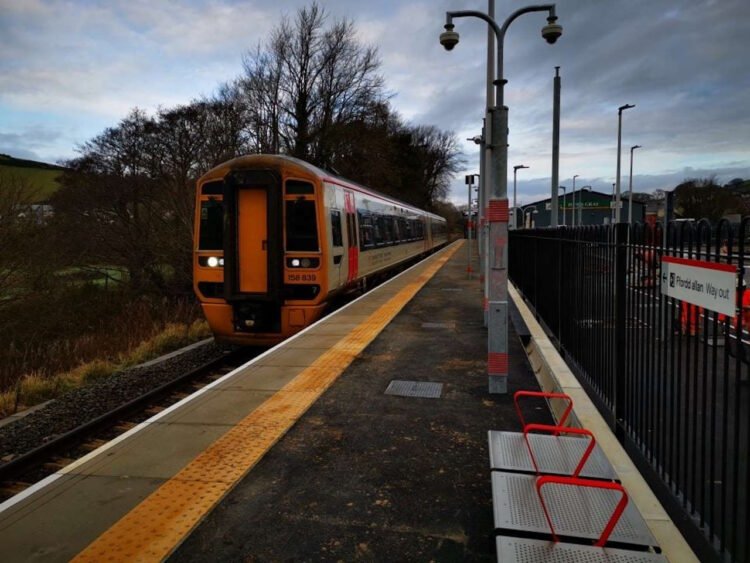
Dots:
pixel 522 550
pixel 555 455
pixel 575 512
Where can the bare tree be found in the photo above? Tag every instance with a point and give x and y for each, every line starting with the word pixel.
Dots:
pixel 702 197
pixel 19 235
pixel 306 81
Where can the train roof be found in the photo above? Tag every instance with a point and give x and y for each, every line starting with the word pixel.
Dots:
pixel 310 168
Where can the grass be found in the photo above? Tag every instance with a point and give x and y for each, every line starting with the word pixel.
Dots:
pixel 43 183
pixel 35 387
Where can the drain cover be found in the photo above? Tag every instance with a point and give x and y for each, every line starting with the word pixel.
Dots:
pixel 426 389
pixel 449 325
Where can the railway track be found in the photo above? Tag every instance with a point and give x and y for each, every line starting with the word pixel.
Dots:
pixel 25 469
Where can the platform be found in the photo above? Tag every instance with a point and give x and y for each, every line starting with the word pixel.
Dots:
pixel 363 437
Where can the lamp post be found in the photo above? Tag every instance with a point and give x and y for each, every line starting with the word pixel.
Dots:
pixel 469 226
pixel 565 199
pixel 619 137
pixel 580 203
pixel 515 172
pixel 497 208
pixel 574 199
pixel 479 140
pixel 630 186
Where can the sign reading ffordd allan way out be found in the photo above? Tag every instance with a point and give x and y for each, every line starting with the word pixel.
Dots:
pixel 709 285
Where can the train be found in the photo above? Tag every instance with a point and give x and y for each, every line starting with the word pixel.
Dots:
pixel 277 239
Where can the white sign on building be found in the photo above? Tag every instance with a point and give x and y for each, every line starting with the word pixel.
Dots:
pixel 710 285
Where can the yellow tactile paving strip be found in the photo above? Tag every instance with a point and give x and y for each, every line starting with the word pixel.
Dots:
pixel 154 528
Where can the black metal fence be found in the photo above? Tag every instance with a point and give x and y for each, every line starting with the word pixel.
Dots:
pixel 672 378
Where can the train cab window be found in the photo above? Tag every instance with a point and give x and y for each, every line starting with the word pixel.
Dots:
pixel 301 225
pixel 336 233
pixel 297 187
pixel 211 236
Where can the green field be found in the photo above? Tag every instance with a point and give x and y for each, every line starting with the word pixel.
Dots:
pixel 41 177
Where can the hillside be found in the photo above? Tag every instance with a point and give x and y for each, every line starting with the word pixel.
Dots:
pixel 41 177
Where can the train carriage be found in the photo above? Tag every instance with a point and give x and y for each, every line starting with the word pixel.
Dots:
pixel 276 238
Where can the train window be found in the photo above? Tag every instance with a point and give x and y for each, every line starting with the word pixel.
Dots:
pixel 378 230
pixel 211 235
pixel 213 188
pixel 402 235
pixel 301 225
pixel 366 232
pixel 336 228
pixel 295 187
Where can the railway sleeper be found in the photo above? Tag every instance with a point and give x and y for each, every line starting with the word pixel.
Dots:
pixel 11 488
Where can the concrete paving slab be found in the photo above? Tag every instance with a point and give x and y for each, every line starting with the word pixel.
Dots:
pixel 339 329
pixel 262 378
pixel 156 452
pixel 67 517
pixel 218 406
pixel 315 341
pixel 291 357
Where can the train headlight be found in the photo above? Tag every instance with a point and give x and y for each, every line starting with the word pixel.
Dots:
pixel 302 262
pixel 211 261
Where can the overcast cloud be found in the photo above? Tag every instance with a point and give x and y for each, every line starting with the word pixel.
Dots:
pixel 68 69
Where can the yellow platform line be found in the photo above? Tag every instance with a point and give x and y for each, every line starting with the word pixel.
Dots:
pixel 156 526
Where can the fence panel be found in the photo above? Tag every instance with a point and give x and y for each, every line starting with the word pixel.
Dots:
pixel 673 378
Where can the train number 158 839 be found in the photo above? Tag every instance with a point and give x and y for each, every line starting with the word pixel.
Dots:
pixel 302 277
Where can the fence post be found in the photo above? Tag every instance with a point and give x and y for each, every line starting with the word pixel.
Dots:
pixel 621 237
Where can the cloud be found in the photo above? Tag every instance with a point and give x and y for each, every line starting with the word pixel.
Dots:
pixel 682 62
pixel 25 144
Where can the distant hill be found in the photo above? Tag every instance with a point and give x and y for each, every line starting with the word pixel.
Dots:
pixel 41 177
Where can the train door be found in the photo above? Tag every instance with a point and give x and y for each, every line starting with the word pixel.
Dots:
pixel 252 240
pixel 252 249
pixel 335 277
pixel 351 237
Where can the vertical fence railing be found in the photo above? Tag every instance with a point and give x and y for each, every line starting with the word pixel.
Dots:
pixel 673 378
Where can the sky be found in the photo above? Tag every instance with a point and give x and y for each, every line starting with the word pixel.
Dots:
pixel 69 69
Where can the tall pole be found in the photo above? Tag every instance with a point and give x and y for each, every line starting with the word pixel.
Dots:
pixel 515 172
pixel 614 202
pixel 555 147
pixel 619 143
pixel 497 208
pixel 630 186
pixel 469 185
pixel 574 199
pixel 513 219
pixel 580 205
pixel 564 203
pixel 487 170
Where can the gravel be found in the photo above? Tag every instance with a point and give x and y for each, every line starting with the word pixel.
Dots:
pixel 86 403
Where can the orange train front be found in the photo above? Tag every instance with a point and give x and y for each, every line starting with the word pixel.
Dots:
pixel 276 238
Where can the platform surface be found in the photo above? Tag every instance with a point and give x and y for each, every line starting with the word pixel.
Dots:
pixel 319 465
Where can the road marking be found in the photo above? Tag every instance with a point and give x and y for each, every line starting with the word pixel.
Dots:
pixel 154 528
